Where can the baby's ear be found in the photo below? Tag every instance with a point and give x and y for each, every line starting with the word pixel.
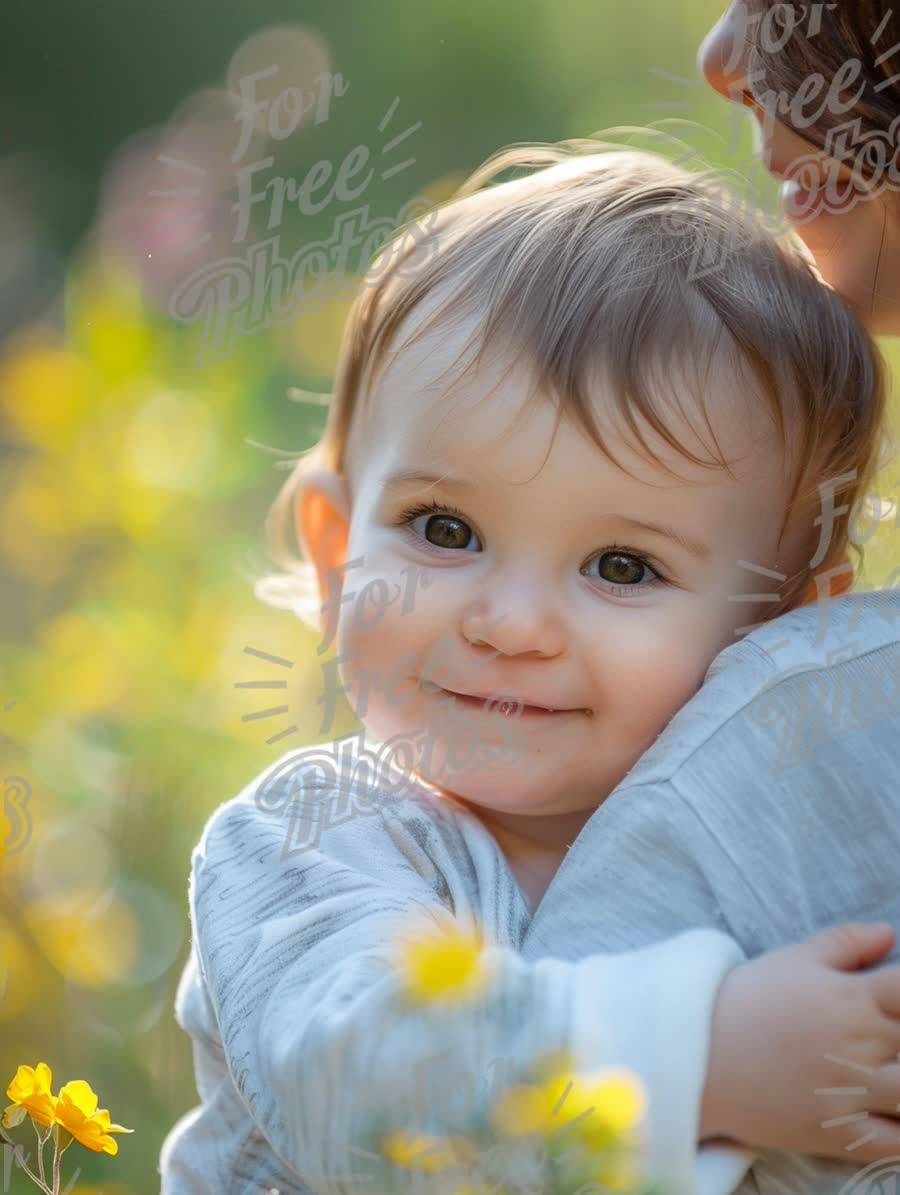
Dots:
pixel 322 517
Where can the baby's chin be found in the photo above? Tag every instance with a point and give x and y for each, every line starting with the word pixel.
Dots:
pixel 501 789
pixel 441 739
pixel 490 761
pixel 490 781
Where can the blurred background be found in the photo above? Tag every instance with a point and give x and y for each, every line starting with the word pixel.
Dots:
pixel 146 423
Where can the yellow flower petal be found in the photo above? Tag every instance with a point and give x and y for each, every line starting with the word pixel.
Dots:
pixel 598 1110
pixel 12 1116
pixel 81 1095
pixel 77 1113
pixel 521 1110
pixel 442 963
pixel 430 1154
pixel 30 1089
pixel 619 1099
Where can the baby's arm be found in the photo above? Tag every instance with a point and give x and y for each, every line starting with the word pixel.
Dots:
pixel 793 1025
pixel 295 956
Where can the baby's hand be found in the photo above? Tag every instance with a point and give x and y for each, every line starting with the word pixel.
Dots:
pixel 804 1054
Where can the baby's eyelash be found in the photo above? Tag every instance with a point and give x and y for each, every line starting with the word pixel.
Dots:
pixel 427 508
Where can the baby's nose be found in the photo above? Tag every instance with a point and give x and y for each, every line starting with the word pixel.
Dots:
pixel 515 623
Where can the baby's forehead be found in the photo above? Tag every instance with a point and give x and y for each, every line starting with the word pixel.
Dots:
pixel 432 399
pixel 424 393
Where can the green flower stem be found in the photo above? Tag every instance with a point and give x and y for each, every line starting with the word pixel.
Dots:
pixel 41 1142
pixel 58 1153
pixel 21 1161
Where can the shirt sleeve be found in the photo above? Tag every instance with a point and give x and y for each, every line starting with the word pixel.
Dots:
pixel 296 954
pixel 660 875
pixel 653 1008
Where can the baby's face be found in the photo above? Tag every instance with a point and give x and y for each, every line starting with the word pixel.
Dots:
pixel 589 589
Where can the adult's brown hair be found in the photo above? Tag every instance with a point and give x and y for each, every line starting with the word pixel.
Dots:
pixel 829 39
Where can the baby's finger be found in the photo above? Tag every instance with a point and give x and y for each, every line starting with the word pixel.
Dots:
pixel 886 990
pixel 871 1140
pixel 882 1090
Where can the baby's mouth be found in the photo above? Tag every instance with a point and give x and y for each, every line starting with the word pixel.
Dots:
pixel 507 704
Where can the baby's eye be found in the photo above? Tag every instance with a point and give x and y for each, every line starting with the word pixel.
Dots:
pixel 443 529
pixel 620 569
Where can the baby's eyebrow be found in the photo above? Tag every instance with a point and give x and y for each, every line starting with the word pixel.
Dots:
pixel 407 476
pixel 694 546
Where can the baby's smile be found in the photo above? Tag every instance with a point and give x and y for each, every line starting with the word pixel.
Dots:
pixel 509 705
pixel 574 600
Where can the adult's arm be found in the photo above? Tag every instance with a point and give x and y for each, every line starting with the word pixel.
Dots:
pixel 731 819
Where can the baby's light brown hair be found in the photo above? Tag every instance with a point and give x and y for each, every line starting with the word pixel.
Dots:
pixel 625 265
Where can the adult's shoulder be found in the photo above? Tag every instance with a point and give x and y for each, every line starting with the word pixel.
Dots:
pixel 818 635
pixel 791 667
pixel 783 762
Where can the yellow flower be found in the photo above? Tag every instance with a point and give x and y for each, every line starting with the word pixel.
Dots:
pixel 600 1107
pixel 521 1110
pixel 618 1098
pixel 30 1092
pixel 442 963
pixel 76 1112
pixel 423 1152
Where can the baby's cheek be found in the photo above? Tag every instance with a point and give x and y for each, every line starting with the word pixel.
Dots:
pixel 662 675
pixel 379 661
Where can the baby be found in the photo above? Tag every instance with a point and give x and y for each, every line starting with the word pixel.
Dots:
pixel 540 385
